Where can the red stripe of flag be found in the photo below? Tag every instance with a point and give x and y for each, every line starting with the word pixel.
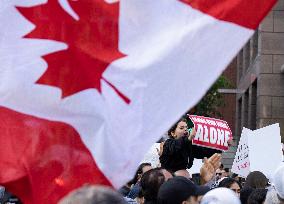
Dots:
pixel 246 13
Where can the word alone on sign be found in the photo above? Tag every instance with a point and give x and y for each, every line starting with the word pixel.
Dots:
pixel 211 132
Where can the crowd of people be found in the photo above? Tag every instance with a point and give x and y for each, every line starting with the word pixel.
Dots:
pixel 158 186
pixel 171 183
pixel 216 186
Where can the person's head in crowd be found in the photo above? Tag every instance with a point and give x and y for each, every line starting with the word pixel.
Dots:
pixel 273 198
pixel 180 190
pixel 93 194
pixel 278 180
pixel 150 184
pixel 236 177
pixel 231 184
pixel 257 196
pixel 223 173
pixel 220 196
pixel 220 173
pixel 221 166
pixel 179 129
pixel 183 172
pixel 134 190
pixel 245 193
pixel 167 174
pixel 256 179
pixel 227 172
pixel 143 167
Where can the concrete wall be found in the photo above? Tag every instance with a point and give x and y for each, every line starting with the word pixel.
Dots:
pixel 260 83
pixel 270 80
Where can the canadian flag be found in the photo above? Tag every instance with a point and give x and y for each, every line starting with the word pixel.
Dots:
pixel 88 85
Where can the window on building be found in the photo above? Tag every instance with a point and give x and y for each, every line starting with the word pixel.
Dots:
pixel 246 57
pixel 252 105
pixel 240 65
pixel 239 118
pixel 254 46
pixel 245 107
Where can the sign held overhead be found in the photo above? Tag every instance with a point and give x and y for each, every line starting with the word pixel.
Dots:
pixel 211 132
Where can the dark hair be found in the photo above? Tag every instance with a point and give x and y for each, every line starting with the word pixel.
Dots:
pixel 151 182
pixel 93 194
pixel 256 179
pixel 227 182
pixel 257 196
pixel 227 170
pixel 138 173
pixel 245 193
pixel 173 128
pixel 140 194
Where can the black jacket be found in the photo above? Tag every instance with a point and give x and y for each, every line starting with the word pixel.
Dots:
pixel 180 153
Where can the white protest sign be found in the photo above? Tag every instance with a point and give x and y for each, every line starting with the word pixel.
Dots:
pixel 241 164
pixel 152 156
pixel 265 151
pixel 211 132
pixel 197 164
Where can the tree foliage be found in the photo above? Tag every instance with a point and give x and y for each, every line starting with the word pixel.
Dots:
pixel 213 100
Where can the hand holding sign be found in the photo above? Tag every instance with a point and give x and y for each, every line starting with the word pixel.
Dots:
pixel 192 134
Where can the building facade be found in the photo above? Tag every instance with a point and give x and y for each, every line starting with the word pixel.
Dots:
pixel 259 92
pixel 260 75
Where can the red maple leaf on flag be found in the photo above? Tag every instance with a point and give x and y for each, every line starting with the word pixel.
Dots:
pixel 92 42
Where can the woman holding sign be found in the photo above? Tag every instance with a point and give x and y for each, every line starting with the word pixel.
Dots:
pixel 177 152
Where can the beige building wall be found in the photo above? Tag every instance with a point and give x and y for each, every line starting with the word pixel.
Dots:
pixel 270 92
pixel 260 81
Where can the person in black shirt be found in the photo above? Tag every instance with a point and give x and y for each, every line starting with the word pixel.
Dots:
pixel 178 152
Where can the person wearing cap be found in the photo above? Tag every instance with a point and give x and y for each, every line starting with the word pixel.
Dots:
pixel 278 180
pixel 220 196
pixel 180 190
pixel 272 198
pixel 183 172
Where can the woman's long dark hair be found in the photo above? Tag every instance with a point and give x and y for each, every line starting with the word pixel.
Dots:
pixel 173 128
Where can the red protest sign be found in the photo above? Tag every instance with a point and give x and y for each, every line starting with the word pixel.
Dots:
pixel 211 132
